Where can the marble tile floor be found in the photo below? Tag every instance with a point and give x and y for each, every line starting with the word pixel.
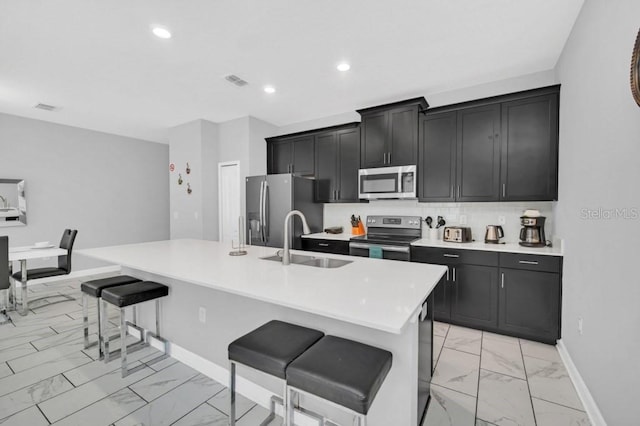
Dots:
pixel 46 377
pixel 483 379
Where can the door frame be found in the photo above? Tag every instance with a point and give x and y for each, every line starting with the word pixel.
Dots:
pixel 220 166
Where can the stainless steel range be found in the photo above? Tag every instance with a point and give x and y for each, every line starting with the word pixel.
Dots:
pixel 388 237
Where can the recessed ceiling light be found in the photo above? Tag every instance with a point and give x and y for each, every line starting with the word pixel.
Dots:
pixel 343 67
pixel 161 32
pixel 269 89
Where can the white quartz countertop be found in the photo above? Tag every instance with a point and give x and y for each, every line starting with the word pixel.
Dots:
pixel 375 293
pixel 345 236
pixel 556 250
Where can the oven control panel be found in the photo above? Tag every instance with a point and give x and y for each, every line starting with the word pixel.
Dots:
pixel 400 222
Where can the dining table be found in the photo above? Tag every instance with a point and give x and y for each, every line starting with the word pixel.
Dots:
pixel 23 255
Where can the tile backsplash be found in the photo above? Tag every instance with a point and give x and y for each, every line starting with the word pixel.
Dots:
pixel 478 215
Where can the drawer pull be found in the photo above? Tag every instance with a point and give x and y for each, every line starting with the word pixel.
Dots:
pixel 323 244
pixel 451 255
pixel 503 280
pixel 528 262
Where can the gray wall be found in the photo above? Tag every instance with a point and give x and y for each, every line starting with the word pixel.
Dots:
pixel 599 169
pixel 113 189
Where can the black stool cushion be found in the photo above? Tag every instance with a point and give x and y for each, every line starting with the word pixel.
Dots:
pixel 131 294
pixel 272 346
pixel 34 274
pixel 94 287
pixel 342 371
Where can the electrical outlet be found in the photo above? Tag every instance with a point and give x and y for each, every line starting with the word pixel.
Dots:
pixel 175 215
pixel 580 325
pixel 202 314
pixel 502 220
pixel 463 219
pixel 195 214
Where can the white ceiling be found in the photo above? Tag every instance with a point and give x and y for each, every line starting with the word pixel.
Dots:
pixel 100 63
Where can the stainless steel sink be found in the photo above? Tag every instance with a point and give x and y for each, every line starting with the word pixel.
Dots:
pixel 294 258
pixel 327 262
pixel 318 262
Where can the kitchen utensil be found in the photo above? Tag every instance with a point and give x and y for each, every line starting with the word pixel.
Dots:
pixel 441 222
pixel 354 221
pixel 429 221
pixel 493 234
pixel 457 234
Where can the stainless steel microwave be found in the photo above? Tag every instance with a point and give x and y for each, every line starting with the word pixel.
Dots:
pixel 397 182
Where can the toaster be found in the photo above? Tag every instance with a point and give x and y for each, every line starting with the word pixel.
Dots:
pixel 457 234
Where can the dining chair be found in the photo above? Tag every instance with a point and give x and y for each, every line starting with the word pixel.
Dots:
pixel 63 268
pixel 5 282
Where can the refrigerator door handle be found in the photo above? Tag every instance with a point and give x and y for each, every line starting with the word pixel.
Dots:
pixel 261 213
pixel 266 212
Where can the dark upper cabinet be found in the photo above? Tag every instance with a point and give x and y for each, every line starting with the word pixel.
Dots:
pixel 437 157
pixel 291 155
pixel 279 157
pixel 474 296
pixel 530 149
pixel 390 134
pixel 530 304
pixel 337 160
pixel 506 149
pixel 478 154
pixel 348 164
pixel 374 140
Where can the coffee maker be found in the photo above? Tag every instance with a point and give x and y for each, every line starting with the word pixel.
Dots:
pixel 532 232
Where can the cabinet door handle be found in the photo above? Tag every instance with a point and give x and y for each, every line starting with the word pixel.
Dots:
pixel 337 194
pixel 384 158
pixel 458 191
pixel 447 273
pixel 528 262
pixel 451 255
pixel 323 244
pixel 389 157
pixel 503 280
pixel 504 190
pixel 454 274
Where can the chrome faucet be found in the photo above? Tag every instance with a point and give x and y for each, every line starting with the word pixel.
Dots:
pixel 286 259
pixel 4 202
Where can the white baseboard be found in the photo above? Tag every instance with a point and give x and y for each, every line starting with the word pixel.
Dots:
pixel 590 406
pixel 220 374
pixel 75 274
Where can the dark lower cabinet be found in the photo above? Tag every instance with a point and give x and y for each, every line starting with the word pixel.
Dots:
pixel 474 296
pixel 530 304
pixel 509 293
pixel 325 246
pixel 442 300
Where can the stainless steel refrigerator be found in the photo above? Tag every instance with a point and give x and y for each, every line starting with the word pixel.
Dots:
pixel 269 199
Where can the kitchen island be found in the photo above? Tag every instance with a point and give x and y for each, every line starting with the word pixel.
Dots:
pixel 215 298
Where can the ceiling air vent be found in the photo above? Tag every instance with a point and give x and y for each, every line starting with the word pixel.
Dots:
pixel 234 79
pixel 46 107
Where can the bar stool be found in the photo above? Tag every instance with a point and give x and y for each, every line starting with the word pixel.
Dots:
pixel 348 374
pixel 130 295
pixel 94 289
pixel 268 349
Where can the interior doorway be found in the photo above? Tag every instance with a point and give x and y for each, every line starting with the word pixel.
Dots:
pixel 229 202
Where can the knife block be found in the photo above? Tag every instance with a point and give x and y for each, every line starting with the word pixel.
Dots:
pixel 358 230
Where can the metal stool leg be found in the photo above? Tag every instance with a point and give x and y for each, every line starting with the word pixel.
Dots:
pixel 85 319
pixel 104 343
pixel 123 342
pixel 232 393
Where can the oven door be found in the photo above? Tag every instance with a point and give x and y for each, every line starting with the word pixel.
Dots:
pixel 387 182
pixel 388 252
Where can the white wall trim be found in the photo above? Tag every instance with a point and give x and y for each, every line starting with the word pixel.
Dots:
pixel 74 274
pixel 220 374
pixel 589 404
